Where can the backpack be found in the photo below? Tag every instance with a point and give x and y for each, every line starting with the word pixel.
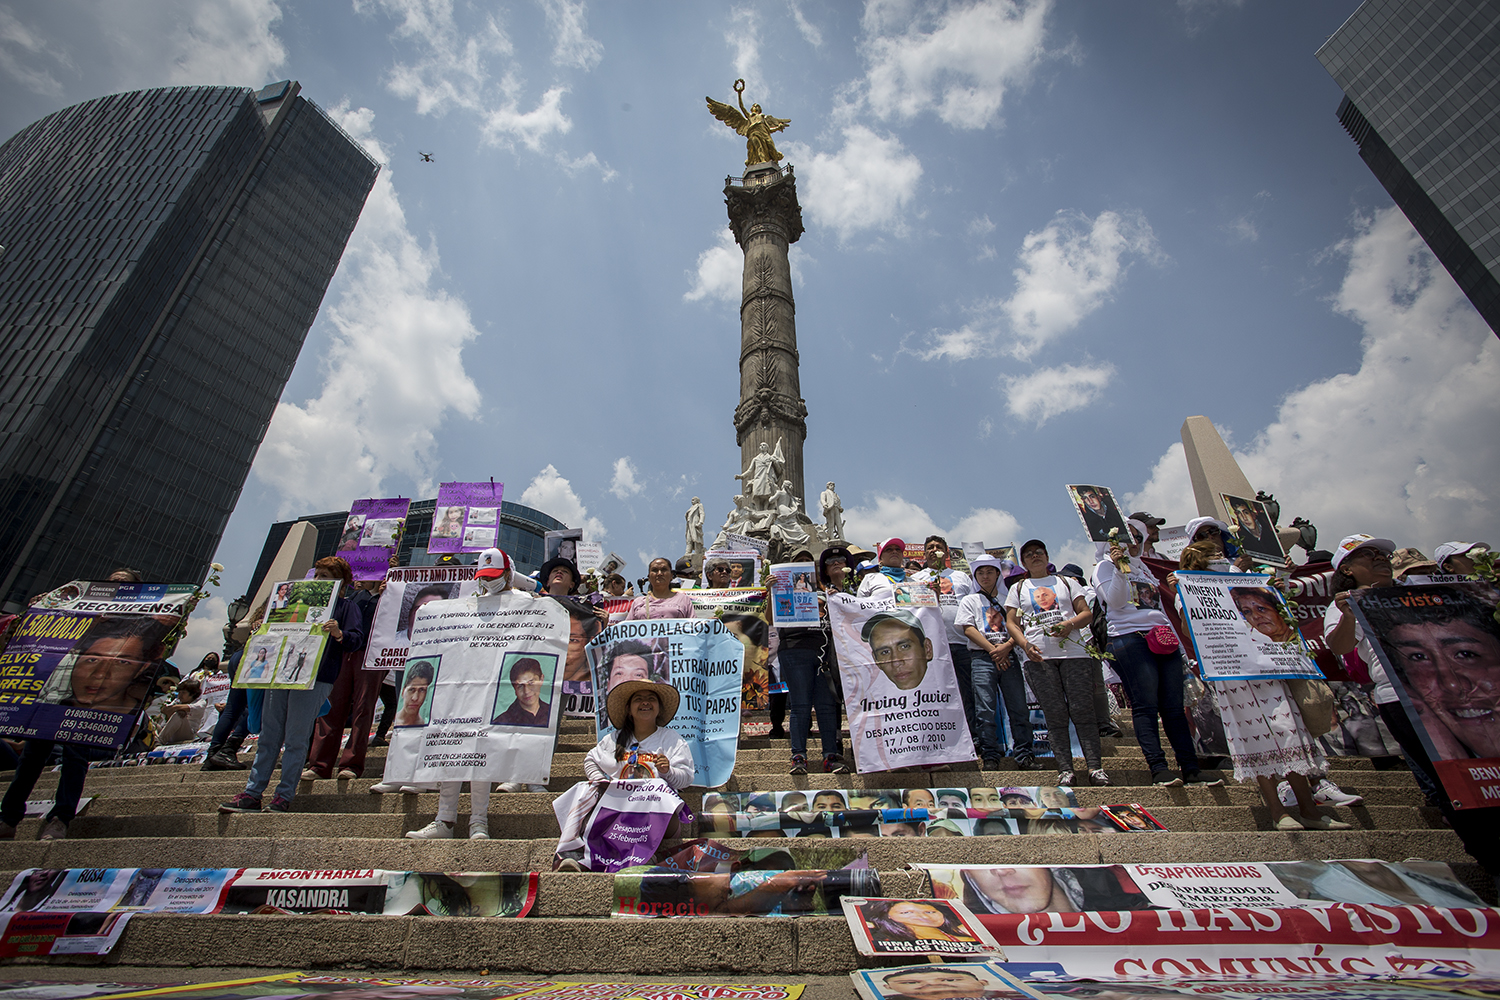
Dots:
pixel 1099 627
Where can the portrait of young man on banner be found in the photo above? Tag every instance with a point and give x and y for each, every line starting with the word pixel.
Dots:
pixel 1440 645
pixel 1097 509
pixel 407 591
pixel 1253 528
pixel 414 707
pixel 964 981
pixel 524 677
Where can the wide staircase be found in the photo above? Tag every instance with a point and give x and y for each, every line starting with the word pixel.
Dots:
pixel 166 816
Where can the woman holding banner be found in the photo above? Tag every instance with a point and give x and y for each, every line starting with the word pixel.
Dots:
pixel 1267 738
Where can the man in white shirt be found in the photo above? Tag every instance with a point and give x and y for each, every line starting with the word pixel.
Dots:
pixel 951 586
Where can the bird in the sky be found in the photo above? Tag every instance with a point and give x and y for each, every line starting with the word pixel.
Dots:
pixel 426 157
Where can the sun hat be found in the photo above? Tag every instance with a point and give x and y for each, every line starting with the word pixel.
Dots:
pixel 996 564
pixel 1198 522
pixel 619 701
pixel 904 617
pixel 1353 543
pixel 551 564
pixel 1410 560
pixel 1448 549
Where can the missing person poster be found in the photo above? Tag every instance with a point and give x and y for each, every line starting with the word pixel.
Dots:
pixel 287 648
pixel 794 595
pixel 899 684
pixel 746 612
pixel 969 980
pixel 466 518
pixel 372 533
pixel 1440 646
pixel 80 665
pixel 743 564
pixel 1240 628
pixel 479 695
pixel 702 658
pixel 1253 530
pixel 407 591
pixel 562 544
pixel 907 927
pixel 1098 511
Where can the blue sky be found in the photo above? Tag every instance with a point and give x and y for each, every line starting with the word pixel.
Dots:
pixel 1039 236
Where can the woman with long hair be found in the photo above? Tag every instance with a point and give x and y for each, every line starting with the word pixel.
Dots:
pixel 913 920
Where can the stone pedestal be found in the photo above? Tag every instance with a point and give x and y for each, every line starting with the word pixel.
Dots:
pixel 766 219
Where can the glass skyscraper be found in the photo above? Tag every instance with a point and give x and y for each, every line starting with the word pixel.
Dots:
pixel 1421 80
pixel 165 252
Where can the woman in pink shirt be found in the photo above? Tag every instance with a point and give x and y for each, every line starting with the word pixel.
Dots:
pixel 659 600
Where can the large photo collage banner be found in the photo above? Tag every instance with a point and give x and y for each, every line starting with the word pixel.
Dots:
pixel 284 652
pixel 372 534
pixel 82 662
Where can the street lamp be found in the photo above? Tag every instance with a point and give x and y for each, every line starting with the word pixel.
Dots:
pixel 237 609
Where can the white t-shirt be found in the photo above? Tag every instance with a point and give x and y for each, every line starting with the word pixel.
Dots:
pixel 976 609
pixel 955 586
pixel 1385 692
pixel 1047 601
pixel 600 764
pixel 874 582
pixel 1131 603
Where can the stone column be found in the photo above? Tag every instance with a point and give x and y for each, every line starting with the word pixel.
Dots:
pixel 1212 468
pixel 766 220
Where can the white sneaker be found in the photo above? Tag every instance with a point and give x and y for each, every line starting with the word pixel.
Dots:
pixel 536 788
pixel 1329 794
pixel 417 789
pixel 509 786
pixel 1286 795
pixel 385 788
pixel 436 830
pixel 479 828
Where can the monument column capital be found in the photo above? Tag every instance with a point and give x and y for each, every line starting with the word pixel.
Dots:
pixel 765 202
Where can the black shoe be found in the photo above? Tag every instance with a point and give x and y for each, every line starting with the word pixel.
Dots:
pixel 1027 763
pixel 1113 732
pixel 778 733
pixel 1198 778
pixel 1164 779
pixel 379 741
pixel 990 764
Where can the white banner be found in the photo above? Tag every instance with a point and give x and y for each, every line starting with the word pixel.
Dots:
pixel 1240 627
pixel 406 591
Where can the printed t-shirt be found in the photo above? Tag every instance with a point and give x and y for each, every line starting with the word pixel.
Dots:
pixel 985 613
pixel 954 586
pixel 1045 601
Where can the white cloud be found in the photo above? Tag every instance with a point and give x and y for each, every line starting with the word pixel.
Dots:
pixel 743 36
pixel 1048 392
pixel 720 272
pixel 980 226
pixel 624 483
pixel 506 124
pixel 894 515
pixel 1168 491
pixel 21 44
pixel 865 185
pixel 810 32
pixel 1242 229
pixel 396 335
pixel 1403 447
pixel 551 494
pixel 956 60
pixel 227 41
pixel 589 162
pixel 569 25
pixel 205 633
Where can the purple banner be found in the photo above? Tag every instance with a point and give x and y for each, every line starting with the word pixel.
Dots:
pixel 629 823
pixel 467 518
pixel 371 535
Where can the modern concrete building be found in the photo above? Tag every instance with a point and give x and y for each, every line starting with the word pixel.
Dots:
pixel 165 252
pixel 1422 86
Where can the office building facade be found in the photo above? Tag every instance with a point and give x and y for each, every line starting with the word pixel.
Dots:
pixel 165 252
pixel 1421 80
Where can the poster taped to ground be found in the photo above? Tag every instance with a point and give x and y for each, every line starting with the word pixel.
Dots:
pixel 987 980
pixel 794 595
pixel 80 665
pixel 406 592
pixel 1440 646
pixel 372 534
pixel 287 648
pixel 899 684
pixel 904 928
pixel 760 891
pixel 479 697
pixel 32 935
pixel 1253 530
pixel 1240 628
pixel 466 518
pixel 351 987
pixel 700 657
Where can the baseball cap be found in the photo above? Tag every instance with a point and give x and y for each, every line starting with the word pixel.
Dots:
pixel 492 563
pixel 904 617
pixel 888 543
pixel 1353 543
pixel 1147 519
pixel 1454 549
pixel 1198 522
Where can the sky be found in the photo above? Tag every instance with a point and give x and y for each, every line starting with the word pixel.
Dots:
pixel 1039 235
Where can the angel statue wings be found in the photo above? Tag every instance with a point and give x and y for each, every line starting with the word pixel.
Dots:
pixel 755 125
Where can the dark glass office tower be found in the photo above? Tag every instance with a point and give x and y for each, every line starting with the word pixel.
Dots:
pixel 1422 86
pixel 165 252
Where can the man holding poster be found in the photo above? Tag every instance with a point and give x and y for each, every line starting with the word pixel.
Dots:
pixel 899 685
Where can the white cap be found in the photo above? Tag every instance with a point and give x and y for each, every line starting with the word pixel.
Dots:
pixel 1198 522
pixel 1355 542
pixel 1454 549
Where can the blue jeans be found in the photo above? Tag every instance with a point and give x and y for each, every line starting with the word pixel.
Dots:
pixel 1009 686
pixel 808 689
pixel 287 719
pixel 1153 682
pixel 234 721
pixel 34 758
pixel 960 653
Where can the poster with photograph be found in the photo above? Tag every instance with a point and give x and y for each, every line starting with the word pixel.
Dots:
pixel 32 935
pixel 1097 509
pixel 702 658
pixel 744 566
pixel 749 891
pixel 479 697
pixel 906 927
pixel 1440 646
pixel 407 591
pixel 562 544
pixel 79 667
pixel 967 980
pixel 1006 553
pixel 372 534
pixel 466 518
pixel 747 613
pixel 287 648
pixel 745 543
pixel 613 563
pixel 900 688
pixel 1253 530
pixel 578 677
pixel 1241 629
pixel 794 595
pixel 1133 817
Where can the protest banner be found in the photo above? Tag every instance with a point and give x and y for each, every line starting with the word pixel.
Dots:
pixel 841 814
pixel 1254 530
pixel 285 651
pixel 32 935
pixel 562 544
pixel 613 563
pixel 906 927
pixel 759 891
pixel 794 595
pixel 1440 646
pixel 372 533
pixel 407 590
pixel 466 518
pixel 590 556
pixel 745 543
pixel 1132 817
pixel 1098 511
pixel 45 990
pixel 744 566
pixel 1170 542
pixel 80 665
pixel 969 980
pixel 900 688
pixel 479 698
pixel 617 823
pixel 974 550
pixel 700 657
pixel 367 987
pixel 1240 628
pixel 1006 553
pixel 747 613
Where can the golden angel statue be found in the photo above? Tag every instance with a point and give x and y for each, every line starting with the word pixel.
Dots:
pixel 755 125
